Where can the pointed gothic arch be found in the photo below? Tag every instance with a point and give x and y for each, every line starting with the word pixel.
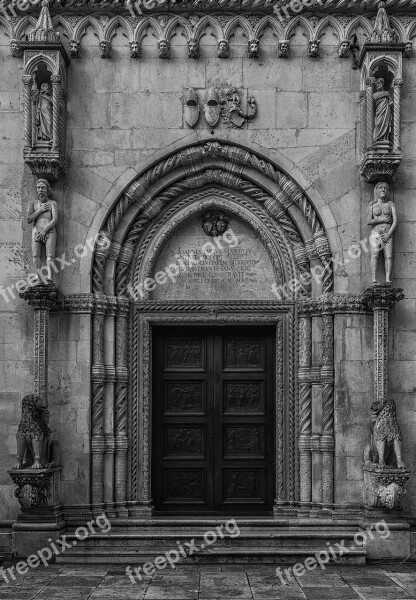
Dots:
pixel 138 224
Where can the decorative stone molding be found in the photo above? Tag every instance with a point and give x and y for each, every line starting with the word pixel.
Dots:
pixel 44 78
pixel 381 68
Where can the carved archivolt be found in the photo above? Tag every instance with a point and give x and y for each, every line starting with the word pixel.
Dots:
pixel 192 168
pixel 193 26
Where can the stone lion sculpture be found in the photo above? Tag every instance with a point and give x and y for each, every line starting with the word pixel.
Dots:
pixel 385 449
pixel 35 449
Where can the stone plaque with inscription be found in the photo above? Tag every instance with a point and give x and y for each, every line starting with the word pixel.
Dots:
pixel 233 267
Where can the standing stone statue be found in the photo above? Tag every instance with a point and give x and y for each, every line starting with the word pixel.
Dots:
pixel 383 222
pixel 44 216
pixel 43 113
pixel 382 113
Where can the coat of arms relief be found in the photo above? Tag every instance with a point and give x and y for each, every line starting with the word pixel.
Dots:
pixel 232 105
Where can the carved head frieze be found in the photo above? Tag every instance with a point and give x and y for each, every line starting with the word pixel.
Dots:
pixel 344 49
pixel 105 48
pixel 191 107
pixel 74 48
pixel 212 107
pixel 16 49
pixel 253 48
pixel 408 48
pixel 313 48
pixel 134 49
pixel 223 49
pixel 193 48
pixel 283 48
pixel 164 48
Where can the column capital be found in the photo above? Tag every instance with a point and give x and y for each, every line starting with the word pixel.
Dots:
pixel 382 297
pixel 397 82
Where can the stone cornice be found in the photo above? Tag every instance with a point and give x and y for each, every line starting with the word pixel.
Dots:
pixel 215 6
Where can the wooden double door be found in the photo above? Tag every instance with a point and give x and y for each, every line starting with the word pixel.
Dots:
pixel 213 433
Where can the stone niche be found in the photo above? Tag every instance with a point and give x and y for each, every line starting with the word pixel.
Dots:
pixel 240 269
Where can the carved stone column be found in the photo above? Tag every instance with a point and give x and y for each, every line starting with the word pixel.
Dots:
pixel 397 84
pixel 97 408
pixel 121 439
pixel 43 298
pixel 56 95
pixel 109 404
pixel 305 407
pixel 27 82
pixel 363 128
pixel 369 84
pixel 327 377
pixel 381 298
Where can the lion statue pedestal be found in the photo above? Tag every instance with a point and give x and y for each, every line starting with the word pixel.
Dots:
pixel 37 475
pixel 384 471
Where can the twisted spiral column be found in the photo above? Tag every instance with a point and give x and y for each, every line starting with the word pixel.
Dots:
pixel 397 84
pixel 56 93
pixel 27 81
pixel 121 439
pixel 305 407
pixel 327 438
pixel 97 404
pixel 363 115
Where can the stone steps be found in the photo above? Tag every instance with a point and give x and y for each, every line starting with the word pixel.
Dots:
pixel 255 544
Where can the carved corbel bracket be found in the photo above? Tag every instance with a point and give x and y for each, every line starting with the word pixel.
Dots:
pixel 37 488
pixel 43 297
pixel 384 488
pixel 381 297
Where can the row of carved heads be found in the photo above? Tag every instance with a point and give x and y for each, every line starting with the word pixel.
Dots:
pixel 223 48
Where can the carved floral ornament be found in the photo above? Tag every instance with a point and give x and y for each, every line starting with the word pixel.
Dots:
pixel 253 25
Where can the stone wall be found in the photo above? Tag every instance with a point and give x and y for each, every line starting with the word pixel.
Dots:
pixel 121 112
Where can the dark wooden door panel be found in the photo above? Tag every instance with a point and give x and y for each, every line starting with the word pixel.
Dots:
pixel 213 420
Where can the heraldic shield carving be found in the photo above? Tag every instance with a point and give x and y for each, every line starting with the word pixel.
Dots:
pixel 212 108
pixel 191 107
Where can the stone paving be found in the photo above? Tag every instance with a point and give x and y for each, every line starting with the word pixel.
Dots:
pixel 245 582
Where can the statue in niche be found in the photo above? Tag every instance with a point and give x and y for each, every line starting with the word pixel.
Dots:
pixel 283 49
pixel 383 222
pixel 35 449
pixel 382 112
pixel 385 449
pixel 223 50
pixel 43 102
pixel 44 217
